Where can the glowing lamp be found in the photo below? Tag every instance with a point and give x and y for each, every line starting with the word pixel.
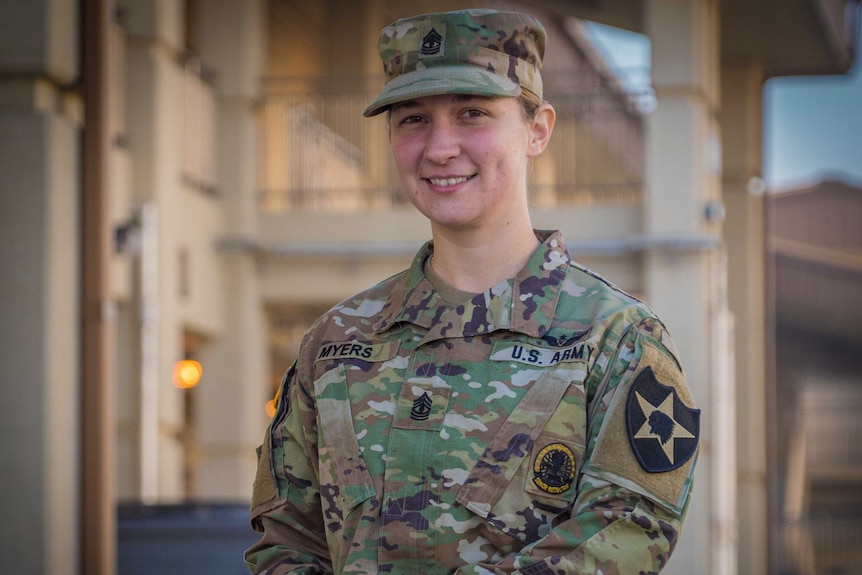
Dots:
pixel 187 373
pixel 272 404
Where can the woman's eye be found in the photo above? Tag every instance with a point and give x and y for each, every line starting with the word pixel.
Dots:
pixel 473 113
pixel 411 119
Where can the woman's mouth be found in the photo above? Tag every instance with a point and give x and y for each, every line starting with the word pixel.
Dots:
pixel 445 182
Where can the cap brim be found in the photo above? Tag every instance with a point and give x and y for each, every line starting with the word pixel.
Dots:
pixel 441 80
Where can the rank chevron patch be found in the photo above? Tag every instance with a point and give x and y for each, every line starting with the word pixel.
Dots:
pixel 421 408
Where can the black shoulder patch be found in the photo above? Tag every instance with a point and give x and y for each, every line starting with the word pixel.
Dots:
pixel 662 430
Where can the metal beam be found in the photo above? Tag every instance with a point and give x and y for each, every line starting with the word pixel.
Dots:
pixel 98 511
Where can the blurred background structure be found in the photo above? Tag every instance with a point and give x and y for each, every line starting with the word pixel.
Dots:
pixel 192 181
pixel 815 248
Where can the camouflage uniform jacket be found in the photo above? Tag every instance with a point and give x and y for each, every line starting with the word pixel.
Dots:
pixel 517 433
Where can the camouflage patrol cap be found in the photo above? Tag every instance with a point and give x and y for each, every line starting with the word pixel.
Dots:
pixel 480 52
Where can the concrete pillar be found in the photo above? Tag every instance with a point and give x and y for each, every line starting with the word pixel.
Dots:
pixel 741 126
pixel 236 386
pixel 688 288
pixel 155 36
pixel 39 288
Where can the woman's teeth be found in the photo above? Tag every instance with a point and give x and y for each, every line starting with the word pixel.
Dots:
pixel 447 181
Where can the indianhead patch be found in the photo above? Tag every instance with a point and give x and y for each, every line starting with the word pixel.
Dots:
pixel 554 468
pixel 662 430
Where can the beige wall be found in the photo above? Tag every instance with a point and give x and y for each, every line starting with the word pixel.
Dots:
pixel 688 290
pixel 186 288
pixel 236 386
pixel 745 235
pixel 39 289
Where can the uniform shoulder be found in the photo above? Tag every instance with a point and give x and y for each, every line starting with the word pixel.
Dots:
pixel 603 303
pixel 358 309
pixel 585 287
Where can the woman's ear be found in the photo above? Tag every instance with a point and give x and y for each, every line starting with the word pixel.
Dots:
pixel 541 128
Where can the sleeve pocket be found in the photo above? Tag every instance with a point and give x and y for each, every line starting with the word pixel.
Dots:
pixel 501 487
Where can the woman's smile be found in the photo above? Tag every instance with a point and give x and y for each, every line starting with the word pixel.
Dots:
pixel 462 160
pixel 448 182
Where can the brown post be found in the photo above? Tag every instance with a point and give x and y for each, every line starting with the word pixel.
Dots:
pixel 98 509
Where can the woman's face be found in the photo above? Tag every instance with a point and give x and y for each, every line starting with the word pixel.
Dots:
pixel 462 160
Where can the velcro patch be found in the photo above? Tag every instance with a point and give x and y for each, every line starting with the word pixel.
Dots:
pixel 265 488
pixel 540 356
pixel 357 350
pixel 421 406
pixel 649 435
pixel 433 42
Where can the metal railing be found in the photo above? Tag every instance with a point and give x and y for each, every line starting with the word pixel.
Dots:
pixel 833 441
pixel 197 111
pixel 821 546
pixel 198 117
pixel 319 152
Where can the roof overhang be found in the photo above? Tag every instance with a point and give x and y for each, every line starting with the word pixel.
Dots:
pixel 789 37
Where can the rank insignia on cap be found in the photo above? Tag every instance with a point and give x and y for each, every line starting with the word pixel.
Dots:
pixel 662 430
pixel 432 44
pixel 554 468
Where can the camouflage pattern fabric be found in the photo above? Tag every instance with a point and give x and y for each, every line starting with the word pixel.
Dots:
pixel 509 434
pixel 478 52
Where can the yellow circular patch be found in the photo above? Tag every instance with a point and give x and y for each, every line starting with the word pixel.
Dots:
pixel 554 468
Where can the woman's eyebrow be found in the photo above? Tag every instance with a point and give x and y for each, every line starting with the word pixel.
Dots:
pixel 460 98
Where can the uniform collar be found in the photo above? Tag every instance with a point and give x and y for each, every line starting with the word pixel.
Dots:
pixel 523 304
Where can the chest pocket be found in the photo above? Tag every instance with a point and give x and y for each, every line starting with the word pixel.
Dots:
pixel 527 475
pixel 340 457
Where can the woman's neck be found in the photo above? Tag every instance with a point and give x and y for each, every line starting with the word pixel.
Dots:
pixel 474 261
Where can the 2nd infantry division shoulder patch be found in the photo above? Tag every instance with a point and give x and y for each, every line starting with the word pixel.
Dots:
pixel 662 430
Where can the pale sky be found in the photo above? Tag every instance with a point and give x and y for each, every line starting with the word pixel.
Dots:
pixel 813 128
pixel 812 125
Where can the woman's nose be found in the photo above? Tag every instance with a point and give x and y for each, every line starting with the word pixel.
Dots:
pixel 442 144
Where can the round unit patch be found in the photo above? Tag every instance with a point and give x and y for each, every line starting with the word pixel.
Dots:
pixel 554 468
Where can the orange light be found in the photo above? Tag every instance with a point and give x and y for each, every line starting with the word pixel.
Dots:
pixel 272 404
pixel 187 373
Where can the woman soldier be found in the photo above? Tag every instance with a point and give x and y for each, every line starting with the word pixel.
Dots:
pixel 495 408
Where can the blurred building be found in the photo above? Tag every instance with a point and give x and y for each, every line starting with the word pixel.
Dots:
pixel 192 179
pixel 815 247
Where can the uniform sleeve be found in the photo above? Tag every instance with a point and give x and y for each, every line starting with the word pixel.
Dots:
pixel 635 484
pixel 286 496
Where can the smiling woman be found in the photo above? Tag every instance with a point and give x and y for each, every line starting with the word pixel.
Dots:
pixel 496 407
pixel 462 161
